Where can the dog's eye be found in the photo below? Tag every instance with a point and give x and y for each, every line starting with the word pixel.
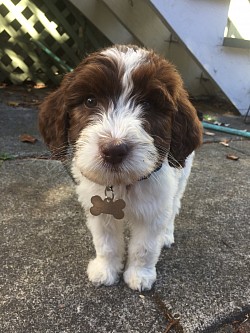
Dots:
pixel 91 101
pixel 146 105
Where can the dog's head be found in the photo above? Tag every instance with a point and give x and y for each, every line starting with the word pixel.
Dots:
pixel 124 111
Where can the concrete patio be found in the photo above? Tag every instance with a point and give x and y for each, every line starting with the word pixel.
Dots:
pixel 45 246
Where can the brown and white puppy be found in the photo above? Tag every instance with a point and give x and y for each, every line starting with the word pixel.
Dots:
pixel 133 131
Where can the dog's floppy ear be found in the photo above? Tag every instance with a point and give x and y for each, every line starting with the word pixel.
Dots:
pixel 53 120
pixel 186 131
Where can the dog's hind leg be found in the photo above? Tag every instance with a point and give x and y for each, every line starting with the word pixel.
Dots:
pixel 182 182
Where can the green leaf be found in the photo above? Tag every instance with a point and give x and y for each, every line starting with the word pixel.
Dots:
pixel 5 157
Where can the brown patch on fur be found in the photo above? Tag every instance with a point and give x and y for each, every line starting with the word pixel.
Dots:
pixel 170 118
pixel 63 114
pixel 53 120
pixel 186 131
pixel 97 75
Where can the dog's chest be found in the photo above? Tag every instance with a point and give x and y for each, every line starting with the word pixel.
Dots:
pixel 147 198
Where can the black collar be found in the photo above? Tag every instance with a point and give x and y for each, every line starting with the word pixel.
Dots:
pixel 146 177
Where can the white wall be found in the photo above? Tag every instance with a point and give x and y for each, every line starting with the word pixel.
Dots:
pixel 200 26
pixel 188 32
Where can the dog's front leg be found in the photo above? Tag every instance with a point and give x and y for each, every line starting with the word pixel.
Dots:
pixel 144 250
pixel 109 245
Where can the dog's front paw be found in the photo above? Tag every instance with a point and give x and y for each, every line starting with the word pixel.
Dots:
pixel 139 278
pixel 100 272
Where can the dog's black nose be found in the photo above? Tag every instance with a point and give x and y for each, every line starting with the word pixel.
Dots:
pixel 114 152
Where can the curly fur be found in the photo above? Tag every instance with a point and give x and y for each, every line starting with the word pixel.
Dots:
pixel 125 113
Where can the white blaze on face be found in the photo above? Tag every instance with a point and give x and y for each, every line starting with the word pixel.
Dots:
pixel 121 121
pixel 127 62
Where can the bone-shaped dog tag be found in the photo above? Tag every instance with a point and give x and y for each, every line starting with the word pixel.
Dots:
pixel 107 206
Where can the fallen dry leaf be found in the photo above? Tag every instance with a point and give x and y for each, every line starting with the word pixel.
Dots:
pixel 232 157
pixel 225 143
pixel 39 85
pixel 13 103
pixel 27 138
pixel 209 133
pixel 27 104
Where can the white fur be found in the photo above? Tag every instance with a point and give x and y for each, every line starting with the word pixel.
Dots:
pixel 126 126
pixel 151 204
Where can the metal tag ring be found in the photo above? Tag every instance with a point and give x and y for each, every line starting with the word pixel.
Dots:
pixel 109 189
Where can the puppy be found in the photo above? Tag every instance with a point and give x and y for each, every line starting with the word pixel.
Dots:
pixel 133 132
